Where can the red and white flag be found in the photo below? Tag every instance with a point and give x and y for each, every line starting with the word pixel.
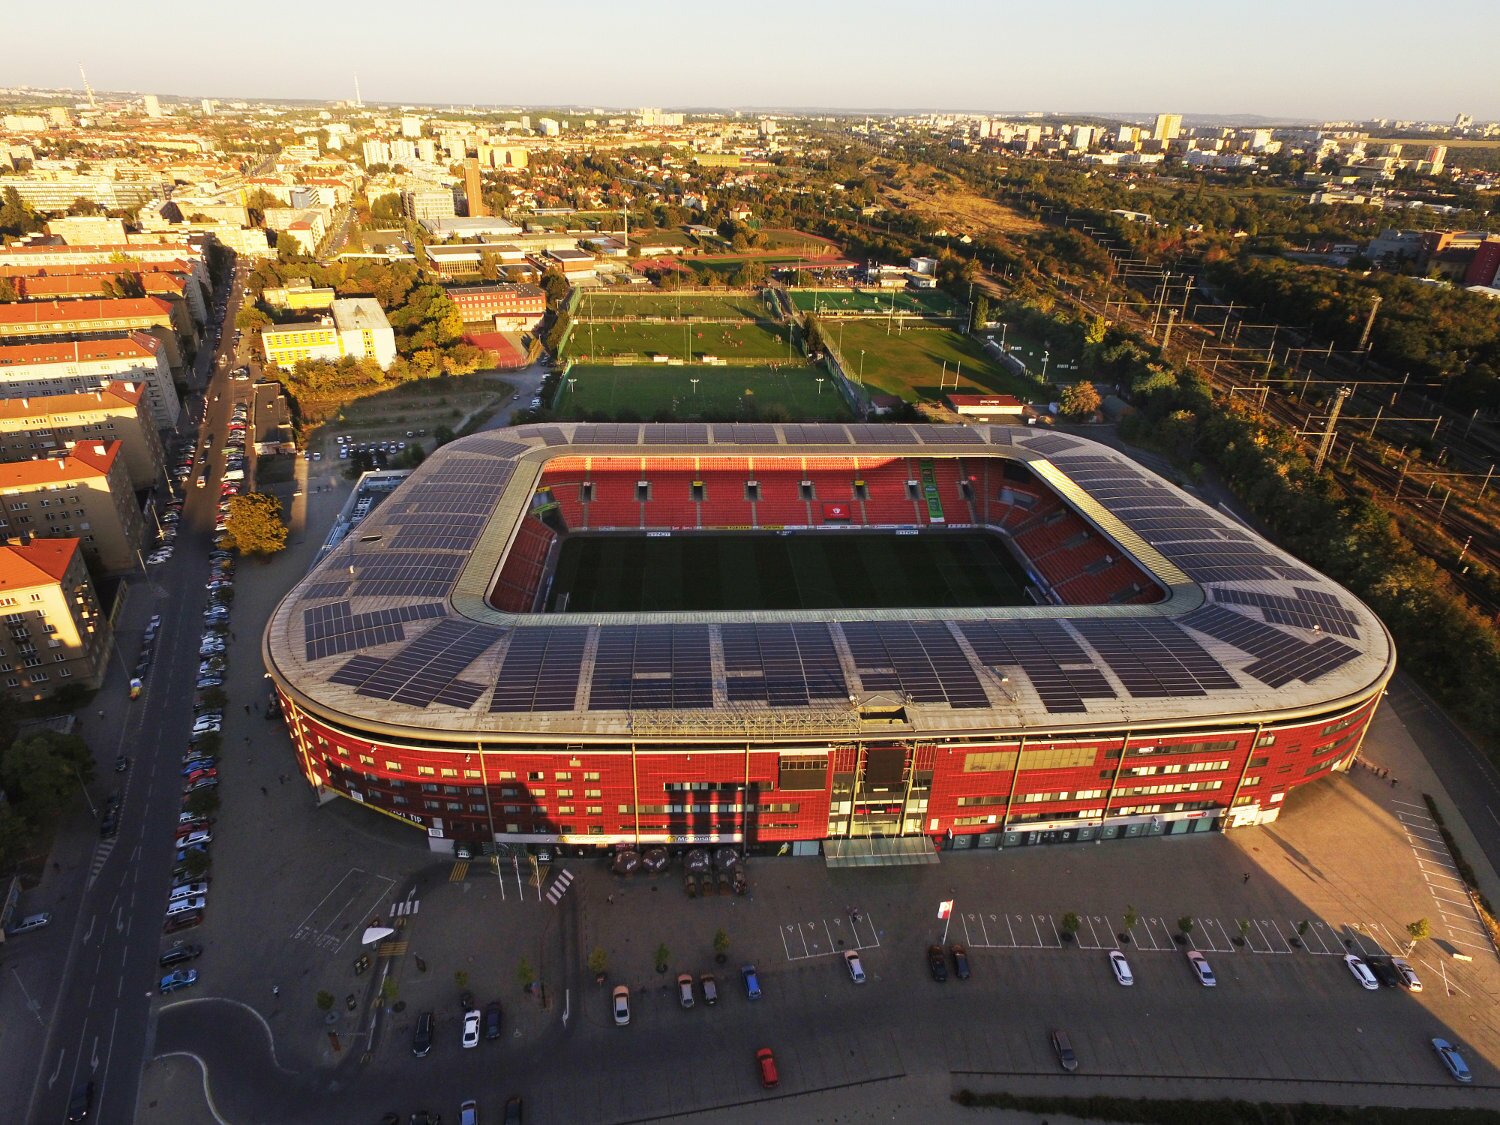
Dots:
pixel 945 908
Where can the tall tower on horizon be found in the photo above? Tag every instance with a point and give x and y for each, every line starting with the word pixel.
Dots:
pixel 87 89
pixel 359 102
pixel 474 188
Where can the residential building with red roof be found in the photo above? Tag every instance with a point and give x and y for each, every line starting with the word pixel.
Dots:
pixel 55 633
pixel 45 426
pixel 85 495
pixel 69 366
pixel 37 321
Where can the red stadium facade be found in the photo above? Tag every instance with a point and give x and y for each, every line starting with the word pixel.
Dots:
pixel 1177 673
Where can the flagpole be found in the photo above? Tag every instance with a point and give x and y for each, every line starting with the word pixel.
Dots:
pixel 948 921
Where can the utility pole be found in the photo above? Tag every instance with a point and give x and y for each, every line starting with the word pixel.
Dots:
pixel 1166 336
pixel 1364 337
pixel 1333 416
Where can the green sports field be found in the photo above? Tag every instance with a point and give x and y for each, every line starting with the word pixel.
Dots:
pixel 868 302
pixel 911 362
pixel 686 341
pixel 615 305
pixel 806 570
pixel 721 392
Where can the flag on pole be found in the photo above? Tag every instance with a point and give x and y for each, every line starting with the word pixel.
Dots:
pixel 945 908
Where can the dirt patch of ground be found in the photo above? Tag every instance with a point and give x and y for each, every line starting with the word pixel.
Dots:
pixel 931 194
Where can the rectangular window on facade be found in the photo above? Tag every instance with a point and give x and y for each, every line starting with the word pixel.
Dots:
pixel 591 777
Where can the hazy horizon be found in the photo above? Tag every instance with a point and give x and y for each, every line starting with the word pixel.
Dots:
pixel 1333 60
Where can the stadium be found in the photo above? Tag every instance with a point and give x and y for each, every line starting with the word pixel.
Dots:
pixel 860 639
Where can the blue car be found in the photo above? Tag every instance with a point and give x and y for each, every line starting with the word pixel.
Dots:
pixel 752 981
pixel 197 764
pixel 182 978
pixel 185 852
pixel 1452 1060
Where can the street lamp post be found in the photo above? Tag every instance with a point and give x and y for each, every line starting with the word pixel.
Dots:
pixel 1003 327
pixel 1045 356
pixel 819 381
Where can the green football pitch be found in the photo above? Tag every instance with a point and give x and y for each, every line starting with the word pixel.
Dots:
pixel 867 302
pixel 803 570
pixel 685 340
pixel 720 392
pixel 595 305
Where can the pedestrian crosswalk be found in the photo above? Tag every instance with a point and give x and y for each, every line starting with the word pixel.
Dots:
pixel 405 909
pixel 459 872
pixel 559 886
pixel 101 856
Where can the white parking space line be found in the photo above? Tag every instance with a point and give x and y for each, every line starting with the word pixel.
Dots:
pixel 1217 938
pixel 1104 932
pixel 1056 937
pixel 1161 933
pixel 1272 930
pixel 1318 932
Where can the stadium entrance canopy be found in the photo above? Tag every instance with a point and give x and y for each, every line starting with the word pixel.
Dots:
pixel 879 851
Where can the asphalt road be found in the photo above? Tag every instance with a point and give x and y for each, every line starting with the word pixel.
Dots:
pixel 99 1026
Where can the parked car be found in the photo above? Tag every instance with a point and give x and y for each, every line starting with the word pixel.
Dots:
pixel 196 838
pixel 1384 971
pixel 856 970
pixel 752 981
pixel 620 1003
pixel 1121 968
pixel 182 978
pixel 1064 1048
pixel 187 890
pixel 178 954
pixel 492 1018
pixel 471 1028
pixel 937 964
pixel 180 922
pixel 29 923
pixel 685 989
pixel 1408 975
pixel 187 905
pixel 1199 964
pixel 765 1061
pixel 421 1040
pixel 468 1112
pixel 960 957
pixel 1451 1059
pixel 710 988
pixel 1360 971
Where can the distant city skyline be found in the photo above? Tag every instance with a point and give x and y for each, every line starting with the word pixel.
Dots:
pixel 1325 60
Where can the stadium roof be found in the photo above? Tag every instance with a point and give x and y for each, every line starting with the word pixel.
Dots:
pixel 392 631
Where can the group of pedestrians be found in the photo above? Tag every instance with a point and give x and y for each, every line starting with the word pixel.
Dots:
pixel 1383 774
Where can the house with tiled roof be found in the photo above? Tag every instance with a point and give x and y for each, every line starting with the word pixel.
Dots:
pixel 39 370
pixel 55 633
pixel 84 494
pixel 47 425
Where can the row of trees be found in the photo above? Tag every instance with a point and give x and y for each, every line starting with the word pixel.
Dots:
pixel 40 775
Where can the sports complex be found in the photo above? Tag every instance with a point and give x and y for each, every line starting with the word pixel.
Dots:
pixel 864 639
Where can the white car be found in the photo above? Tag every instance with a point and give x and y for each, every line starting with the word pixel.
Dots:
pixel 620 1003
pixel 188 890
pixel 856 970
pixel 1407 974
pixel 1201 969
pixel 1121 968
pixel 210 726
pixel 198 838
pixel 471 1028
pixel 1361 972
pixel 187 906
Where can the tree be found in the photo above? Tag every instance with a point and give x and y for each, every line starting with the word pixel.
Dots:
pixel 1185 924
pixel 202 802
pixel 443 435
pixel 16 216
pixel 981 316
pixel 555 285
pixel 214 698
pixel 13 835
pixel 461 979
pixel 598 962
pixel 524 976
pixel 1070 925
pixel 210 744
pixel 721 942
pixel 254 525
pixel 124 285
pixel 324 1000
pixel 1419 930
pixel 196 863
pixel 1079 401
pixel 44 771
pixel 1131 917
pixel 663 957
pixel 8 292
pixel 82 206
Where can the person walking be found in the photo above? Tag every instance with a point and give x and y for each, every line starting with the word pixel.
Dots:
pixel 1245 878
pixel 275 991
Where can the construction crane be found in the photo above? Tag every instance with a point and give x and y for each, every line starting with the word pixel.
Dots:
pixel 87 89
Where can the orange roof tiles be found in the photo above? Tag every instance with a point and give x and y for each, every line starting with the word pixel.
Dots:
pixel 114 396
pixel 49 312
pixel 137 345
pixel 45 288
pixel 41 562
pixel 85 461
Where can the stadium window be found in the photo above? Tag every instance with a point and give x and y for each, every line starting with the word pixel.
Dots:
pixel 596 830
pixel 805 490
pixel 697 492
pixel 752 491
pixel 591 776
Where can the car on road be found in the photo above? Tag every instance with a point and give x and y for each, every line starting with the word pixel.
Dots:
pixel 29 923
pixel 471 1028
pixel 196 838
pixel 186 905
pixel 468 1112
pixel 1361 972
pixel 1199 964
pixel 179 922
pixel 109 824
pixel 182 978
pixel 492 1017
pixel 1063 1046
pixel 766 1062
pixel 1121 968
pixel 710 988
pixel 852 963
pixel 178 954
pixel 1452 1060
pixel 1406 975
pixel 82 1102
pixel 421 1040
pixel 620 1003
pixel 187 890
pixel 752 981
pixel 937 964
pixel 960 957
pixel 122 763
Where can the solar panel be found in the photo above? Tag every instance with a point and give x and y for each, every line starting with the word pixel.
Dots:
pixel 1155 659
pixel 607 433
pixel 676 433
pixel 815 434
pixel 651 666
pixel 541 670
pixel 1310 609
pixel 335 628
pixel 325 590
pixel 429 667
pixel 882 435
pixel 743 433
pixel 999 435
pixel 1060 671
pixel 921 659
pixel 1049 443
pixel 782 665
pixel 946 435
pixel 411 574
pixel 1280 657
pixel 493 444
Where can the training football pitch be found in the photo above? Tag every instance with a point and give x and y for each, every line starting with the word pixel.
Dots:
pixel 707 571
pixel 688 341
pixel 720 392
pixel 918 363
pixel 606 305
pixel 870 302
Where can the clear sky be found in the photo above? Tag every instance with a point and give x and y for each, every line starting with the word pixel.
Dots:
pixel 1322 59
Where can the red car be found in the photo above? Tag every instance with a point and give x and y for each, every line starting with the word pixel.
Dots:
pixel 186 922
pixel 767 1063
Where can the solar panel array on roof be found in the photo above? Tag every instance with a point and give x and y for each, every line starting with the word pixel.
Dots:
pixel 921 659
pixel 882 435
pixel 607 433
pixel 1280 657
pixel 550 435
pixel 318 590
pixel 1062 673
pixel 946 435
pixel 494 444
pixel 783 665
pixel 744 433
pixel 815 434
pixel 1310 609
pixel 1155 659
pixel 1000 435
pixel 411 574
pixel 651 666
pixel 426 671
pixel 335 628
pixel 541 670
pixel 676 433
pixel 1049 443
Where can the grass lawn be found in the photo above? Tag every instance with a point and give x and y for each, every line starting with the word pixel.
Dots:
pixel 685 341
pixel 722 392
pixel 836 302
pixel 910 363
pixel 1063 365
pixel 597 305
pixel 422 405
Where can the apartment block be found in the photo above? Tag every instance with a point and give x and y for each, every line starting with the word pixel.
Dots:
pixel 83 495
pixel 43 427
pixel 355 326
pixel 40 320
pixel 513 308
pixel 428 203
pixel 55 631
pixel 74 366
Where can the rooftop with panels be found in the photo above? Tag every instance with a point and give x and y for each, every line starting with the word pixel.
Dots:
pixel 1184 618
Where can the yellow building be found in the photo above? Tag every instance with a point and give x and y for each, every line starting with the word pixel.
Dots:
pixel 355 326
pixel 42 427
pixel 84 495
pixel 55 633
